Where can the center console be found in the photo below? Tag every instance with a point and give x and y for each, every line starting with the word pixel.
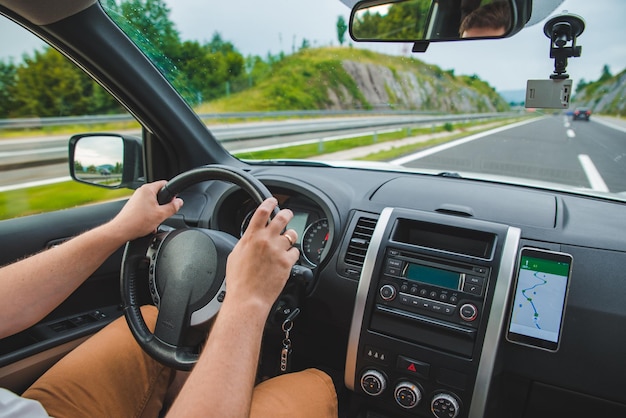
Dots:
pixel 429 314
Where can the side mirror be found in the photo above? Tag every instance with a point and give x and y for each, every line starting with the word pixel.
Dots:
pixel 425 21
pixel 106 160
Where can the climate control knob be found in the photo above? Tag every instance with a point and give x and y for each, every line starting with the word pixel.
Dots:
pixel 387 292
pixel 444 405
pixel 373 382
pixel 407 395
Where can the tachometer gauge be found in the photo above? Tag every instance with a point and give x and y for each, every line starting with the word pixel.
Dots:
pixel 314 241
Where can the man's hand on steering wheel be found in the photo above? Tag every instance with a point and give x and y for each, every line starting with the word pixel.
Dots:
pixel 263 255
pixel 142 214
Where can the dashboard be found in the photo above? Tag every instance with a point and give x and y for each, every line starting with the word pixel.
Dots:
pixel 414 284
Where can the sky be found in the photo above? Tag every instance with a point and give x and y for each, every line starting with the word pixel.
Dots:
pixel 281 25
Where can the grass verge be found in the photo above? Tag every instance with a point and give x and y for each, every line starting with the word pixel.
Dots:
pixel 48 198
pixel 320 148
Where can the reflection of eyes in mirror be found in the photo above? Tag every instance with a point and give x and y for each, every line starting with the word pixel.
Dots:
pixel 492 19
pixel 99 160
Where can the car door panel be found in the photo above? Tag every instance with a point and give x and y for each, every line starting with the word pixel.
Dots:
pixel 25 355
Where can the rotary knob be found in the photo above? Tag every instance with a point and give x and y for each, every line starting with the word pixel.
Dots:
pixel 407 395
pixel 468 312
pixel 373 382
pixel 444 405
pixel 387 292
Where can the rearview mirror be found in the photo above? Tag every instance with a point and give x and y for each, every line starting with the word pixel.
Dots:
pixel 436 20
pixel 106 160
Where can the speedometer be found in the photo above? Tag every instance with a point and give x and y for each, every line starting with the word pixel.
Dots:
pixel 314 241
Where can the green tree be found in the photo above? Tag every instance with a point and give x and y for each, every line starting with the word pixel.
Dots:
pixel 151 21
pixel 48 84
pixel 341 30
pixel 606 73
pixel 206 69
pixel 7 85
pixel 581 85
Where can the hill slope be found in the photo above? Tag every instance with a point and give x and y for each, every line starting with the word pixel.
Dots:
pixel 347 78
pixel 607 97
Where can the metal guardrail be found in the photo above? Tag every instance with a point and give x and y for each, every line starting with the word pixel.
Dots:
pixel 29 123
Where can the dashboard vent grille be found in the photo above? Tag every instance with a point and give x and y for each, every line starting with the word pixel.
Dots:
pixel 359 242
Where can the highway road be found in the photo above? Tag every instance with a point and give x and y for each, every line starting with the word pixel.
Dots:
pixel 588 155
pixel 24 160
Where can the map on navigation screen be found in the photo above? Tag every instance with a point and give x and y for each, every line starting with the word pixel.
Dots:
pixel 539 298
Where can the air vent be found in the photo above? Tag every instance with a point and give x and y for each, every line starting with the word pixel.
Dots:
pixel 359 242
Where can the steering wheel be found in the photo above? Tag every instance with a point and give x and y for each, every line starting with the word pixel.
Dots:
pixel 186 269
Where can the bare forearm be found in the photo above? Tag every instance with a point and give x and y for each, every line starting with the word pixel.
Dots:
pixel 33 287
pixel 222 381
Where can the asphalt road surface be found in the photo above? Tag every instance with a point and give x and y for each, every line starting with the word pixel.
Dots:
pixel 589 155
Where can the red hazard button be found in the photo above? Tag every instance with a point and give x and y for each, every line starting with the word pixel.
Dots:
pixel 412 366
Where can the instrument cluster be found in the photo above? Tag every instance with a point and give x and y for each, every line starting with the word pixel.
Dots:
pixel 310 222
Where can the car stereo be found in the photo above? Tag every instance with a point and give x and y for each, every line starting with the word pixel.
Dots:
pixel 430 295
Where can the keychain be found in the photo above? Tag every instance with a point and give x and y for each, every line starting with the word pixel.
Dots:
pixel 286 350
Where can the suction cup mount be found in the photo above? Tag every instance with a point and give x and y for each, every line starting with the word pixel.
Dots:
pixel 563 31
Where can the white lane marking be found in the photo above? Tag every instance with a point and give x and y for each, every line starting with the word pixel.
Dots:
pixel 609 124
pixel 448 145
pixel 594 177
pixel 570 133
pixel 34 183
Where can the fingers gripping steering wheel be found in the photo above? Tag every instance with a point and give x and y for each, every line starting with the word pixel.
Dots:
pixel 186 269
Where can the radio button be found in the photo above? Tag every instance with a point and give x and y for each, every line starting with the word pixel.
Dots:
pixel 394 262
pixel 414 290
pixel 468 312
pixel 473 289
pixel 423 292
pixel 433 294
pixel 454 299
pixel 404 287
pixel 448 310
pixel 443 297
pixel 480 281
pixel 388 292
pixel 393 271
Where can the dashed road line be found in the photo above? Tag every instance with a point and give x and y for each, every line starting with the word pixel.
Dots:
pixel 592 173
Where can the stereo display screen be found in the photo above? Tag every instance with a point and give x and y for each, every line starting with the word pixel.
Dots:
pixel 433 276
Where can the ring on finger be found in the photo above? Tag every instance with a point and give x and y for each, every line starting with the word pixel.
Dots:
pixel 288 236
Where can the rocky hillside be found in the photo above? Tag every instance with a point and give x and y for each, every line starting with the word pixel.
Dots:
pixel 347 78
pixel 607 96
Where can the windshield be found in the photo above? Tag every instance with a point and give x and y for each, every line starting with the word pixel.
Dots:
pixel 283 81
